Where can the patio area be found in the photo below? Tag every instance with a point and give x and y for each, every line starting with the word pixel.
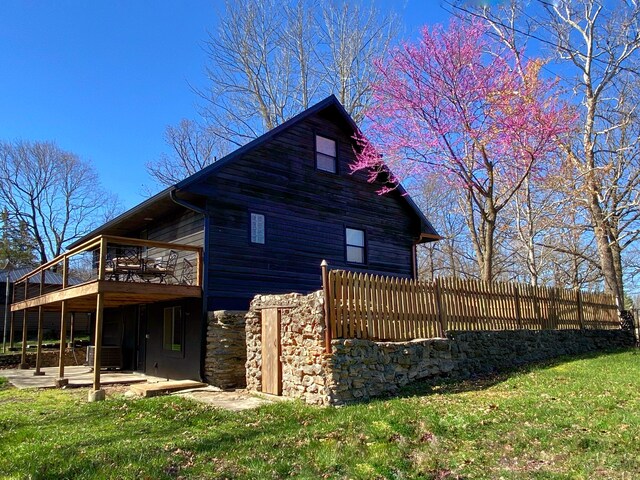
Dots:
pixel 78 376
pixel 82 376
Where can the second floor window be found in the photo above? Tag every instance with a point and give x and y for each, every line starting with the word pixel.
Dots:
pixel 355 241
pixel 257 228
pixel 326 154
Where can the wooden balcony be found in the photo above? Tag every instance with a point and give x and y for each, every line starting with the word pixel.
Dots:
pixel 104 272
pixel 125 270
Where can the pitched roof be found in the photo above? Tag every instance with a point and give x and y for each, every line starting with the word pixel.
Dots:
pixel 428 232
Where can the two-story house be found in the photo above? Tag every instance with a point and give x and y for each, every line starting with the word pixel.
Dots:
pixel 259 220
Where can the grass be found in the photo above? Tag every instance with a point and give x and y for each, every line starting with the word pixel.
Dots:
pixel 576 418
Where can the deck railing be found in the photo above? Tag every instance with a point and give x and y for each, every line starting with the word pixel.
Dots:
pixel 384 308
pixel 111 258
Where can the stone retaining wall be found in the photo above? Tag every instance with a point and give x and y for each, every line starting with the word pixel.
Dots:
pixel 361 369
pixel 226 349
pixel 50 358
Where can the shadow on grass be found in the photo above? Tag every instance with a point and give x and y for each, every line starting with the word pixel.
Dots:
pixel 452 385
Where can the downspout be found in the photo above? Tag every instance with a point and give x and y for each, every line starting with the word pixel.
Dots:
pixel 414 260
pixel 205 276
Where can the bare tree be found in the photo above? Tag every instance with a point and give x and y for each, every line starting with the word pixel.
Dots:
pixel 596 45
pixel 192 149
pixel 53 193
pixel 267 62
pixel 453 256
pixel 601 43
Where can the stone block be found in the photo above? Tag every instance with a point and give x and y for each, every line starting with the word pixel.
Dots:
pixel 96 395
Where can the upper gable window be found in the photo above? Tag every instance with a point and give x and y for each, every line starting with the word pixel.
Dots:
pixel 326 154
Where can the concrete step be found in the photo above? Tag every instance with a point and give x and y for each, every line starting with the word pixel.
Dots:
pixel 164 388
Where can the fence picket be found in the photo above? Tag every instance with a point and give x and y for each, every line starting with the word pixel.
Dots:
pixel 367 330
pixel 331 307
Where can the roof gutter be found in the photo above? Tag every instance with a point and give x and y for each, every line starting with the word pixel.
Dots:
pixel 184 203
pixel 205 260
pixel 429 237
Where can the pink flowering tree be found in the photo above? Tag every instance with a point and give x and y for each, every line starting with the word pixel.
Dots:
pixel 460 104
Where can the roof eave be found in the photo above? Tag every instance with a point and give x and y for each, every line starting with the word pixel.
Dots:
pixel 123 216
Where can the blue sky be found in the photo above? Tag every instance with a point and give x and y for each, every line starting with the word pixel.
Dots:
pixel 104 78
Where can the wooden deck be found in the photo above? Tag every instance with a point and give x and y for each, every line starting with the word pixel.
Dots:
pixel 118 271
pixel 118 288
pixel 83 297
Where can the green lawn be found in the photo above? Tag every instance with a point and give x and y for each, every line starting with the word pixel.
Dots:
pixel 571 419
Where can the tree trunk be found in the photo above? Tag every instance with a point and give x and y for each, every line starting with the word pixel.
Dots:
pixel 604 250
pixel 616 252
pixel 489 233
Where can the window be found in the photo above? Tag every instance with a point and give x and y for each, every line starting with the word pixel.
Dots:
pixel 326 154
pixel 173 330
pixel 257 228
pixel 355 245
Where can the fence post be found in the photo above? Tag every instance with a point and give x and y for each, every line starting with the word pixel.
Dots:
pixel 580 311
pixel 553 309
pixel 442 314
pixel 516 300
pixel 327 323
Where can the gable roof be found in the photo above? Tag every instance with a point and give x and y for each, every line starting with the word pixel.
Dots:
pixel 330 102
pixel 428 233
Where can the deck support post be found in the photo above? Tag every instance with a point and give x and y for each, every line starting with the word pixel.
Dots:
pixel 12 331
pixel 97 393
pixel 39 372
pixel 71 325
pixel 61 381
pixel 23 358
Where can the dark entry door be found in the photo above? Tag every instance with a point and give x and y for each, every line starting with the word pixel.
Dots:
pixel 271 367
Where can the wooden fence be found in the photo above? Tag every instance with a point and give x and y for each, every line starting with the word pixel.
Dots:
pixel 385 308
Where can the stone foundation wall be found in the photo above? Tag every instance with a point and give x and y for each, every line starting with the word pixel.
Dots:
pixel 226 355
pixel 361 369
pixel 50 358
pixel 304 362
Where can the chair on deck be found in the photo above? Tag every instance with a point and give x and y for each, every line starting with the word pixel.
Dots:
pixel 126 263
pixel 186 277
pixel 164 268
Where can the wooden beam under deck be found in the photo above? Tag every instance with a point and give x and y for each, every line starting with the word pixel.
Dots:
pixel 83 297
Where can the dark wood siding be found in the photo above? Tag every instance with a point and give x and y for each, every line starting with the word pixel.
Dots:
pixel 306 212
pixel 186 227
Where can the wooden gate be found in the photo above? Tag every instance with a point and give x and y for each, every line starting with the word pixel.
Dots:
pixel 271 366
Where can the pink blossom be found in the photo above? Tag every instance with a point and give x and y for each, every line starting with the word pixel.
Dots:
pixel 458 102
